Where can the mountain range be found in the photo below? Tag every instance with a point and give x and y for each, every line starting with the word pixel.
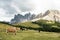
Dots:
pixel 53 15
pixel 20 18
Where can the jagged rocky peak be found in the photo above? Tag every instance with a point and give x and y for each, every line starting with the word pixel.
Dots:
pixel 33 16
pixel 39 15
pixel 17 18
pixel 27 15
pixel 20 18
pixel 52 15
pixel 46 13
pixel 51 12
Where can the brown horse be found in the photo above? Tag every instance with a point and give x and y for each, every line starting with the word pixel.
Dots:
pixel 12 29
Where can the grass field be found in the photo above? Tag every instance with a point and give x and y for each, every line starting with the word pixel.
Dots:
pixel 27 34
pixel 30 35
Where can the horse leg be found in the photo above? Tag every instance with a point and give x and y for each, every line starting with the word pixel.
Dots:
pixel 15 33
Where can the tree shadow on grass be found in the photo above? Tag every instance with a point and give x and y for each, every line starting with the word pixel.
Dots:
pixel 47 27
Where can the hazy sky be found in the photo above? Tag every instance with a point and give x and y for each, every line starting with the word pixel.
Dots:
pixel 8 8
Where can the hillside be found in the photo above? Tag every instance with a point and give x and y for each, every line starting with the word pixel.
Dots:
pixel 4 25
pixel 28 24
pixel 43 25
pixel 31 34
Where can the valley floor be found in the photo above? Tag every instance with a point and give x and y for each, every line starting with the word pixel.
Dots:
pixel 30 35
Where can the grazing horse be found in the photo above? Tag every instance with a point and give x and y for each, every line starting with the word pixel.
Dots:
pixel 12 29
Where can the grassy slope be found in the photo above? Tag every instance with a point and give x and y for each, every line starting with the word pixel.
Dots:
pixel 28 24
pixel 27 34
pixel 44 25
pixel 3 26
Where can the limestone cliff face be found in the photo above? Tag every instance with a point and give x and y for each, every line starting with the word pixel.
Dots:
pixel 52 15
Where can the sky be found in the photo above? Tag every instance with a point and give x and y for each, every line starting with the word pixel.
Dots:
pixel 9 8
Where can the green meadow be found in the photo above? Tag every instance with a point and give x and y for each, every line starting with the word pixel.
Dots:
pixel 49 30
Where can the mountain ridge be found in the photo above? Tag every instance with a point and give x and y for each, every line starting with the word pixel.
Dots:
pixel 48 15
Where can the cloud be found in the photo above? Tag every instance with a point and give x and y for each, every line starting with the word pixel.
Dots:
pixel 12 7
pixel 24 5
pixel 16 6
pixel 5 4
pixel 3 16
pixel 9 8
pixel 56 4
